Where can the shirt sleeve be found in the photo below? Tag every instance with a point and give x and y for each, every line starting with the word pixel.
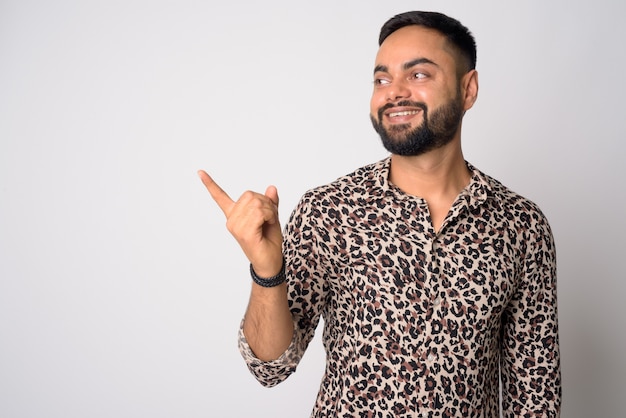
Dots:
pixel 269 373
pixel 530 362
pixel 306 289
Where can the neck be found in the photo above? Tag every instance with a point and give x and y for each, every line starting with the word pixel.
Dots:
pixel 437 174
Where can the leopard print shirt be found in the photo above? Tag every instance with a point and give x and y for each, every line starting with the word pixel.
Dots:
pixel 419 323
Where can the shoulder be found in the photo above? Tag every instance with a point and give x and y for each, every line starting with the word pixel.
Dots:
pixel 325 203
pixel 366 181
pixel 522 212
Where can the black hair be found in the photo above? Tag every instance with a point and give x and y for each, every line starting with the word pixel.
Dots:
pixel 457 34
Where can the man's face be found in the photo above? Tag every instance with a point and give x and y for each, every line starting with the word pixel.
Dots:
pixel 417 103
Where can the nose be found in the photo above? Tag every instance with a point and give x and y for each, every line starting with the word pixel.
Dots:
pixel 397 90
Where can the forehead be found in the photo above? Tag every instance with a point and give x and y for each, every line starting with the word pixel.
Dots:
pixel 411 42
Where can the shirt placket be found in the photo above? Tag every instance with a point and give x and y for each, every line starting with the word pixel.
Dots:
pixel 435 292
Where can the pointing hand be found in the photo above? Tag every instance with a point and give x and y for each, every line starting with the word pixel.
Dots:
pixel 253 221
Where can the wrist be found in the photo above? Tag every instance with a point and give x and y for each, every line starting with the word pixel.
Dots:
pixel 272 281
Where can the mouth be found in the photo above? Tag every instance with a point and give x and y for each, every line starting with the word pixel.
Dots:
pixel 401 115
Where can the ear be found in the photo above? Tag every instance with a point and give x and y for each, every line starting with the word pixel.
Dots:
pixel 469 89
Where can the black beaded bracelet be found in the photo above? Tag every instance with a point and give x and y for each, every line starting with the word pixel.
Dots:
pixel 271 281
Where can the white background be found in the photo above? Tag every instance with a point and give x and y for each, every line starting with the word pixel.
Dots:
pixel 120 289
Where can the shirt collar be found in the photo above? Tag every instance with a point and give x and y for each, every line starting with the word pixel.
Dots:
pixel 475 193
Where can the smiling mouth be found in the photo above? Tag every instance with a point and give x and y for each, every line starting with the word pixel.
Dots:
pixel 403 113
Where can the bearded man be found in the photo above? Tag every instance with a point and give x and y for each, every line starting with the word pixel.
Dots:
pixel 434 280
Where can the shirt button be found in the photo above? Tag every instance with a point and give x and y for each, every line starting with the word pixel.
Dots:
pixel 437 301
pixel 431 357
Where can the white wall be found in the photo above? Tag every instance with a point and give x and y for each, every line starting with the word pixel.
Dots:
pixel 120 289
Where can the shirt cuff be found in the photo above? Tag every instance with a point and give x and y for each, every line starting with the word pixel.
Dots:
pixel 270 373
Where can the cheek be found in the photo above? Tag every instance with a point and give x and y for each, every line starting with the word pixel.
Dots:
pixel 376 102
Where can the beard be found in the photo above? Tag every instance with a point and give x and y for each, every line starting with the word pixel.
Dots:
pixel 434 132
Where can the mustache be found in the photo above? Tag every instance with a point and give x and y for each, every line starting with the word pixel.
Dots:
pixel 406 103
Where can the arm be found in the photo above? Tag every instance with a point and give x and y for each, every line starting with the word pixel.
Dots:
pixel 530 363
pixel 253 221
pixel 307 291
pixel 268 325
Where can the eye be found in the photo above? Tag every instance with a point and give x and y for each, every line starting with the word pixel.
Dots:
pixel 418 75
pixel 381 81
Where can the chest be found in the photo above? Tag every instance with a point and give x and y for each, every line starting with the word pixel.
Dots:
pixel 393 267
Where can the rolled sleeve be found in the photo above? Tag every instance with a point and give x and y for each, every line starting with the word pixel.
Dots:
pixel 270 373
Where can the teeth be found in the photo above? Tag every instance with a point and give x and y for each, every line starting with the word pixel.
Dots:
pixel 405 113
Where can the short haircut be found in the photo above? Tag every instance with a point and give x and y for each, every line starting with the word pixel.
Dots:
pixel 457 34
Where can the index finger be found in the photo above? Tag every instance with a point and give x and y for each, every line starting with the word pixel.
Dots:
pixel 217 193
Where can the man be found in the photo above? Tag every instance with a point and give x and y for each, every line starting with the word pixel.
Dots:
pixel 433 279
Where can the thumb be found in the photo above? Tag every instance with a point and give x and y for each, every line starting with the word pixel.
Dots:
pixel 272 193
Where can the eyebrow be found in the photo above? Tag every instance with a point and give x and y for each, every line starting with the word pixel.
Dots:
pixel 407 65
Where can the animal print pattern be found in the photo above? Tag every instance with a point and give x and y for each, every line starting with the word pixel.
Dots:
pixel 419 323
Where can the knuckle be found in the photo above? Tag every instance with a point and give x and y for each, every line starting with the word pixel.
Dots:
pixel 248 195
